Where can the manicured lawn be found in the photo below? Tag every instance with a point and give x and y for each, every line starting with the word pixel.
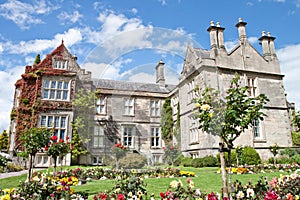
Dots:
pixel 206 179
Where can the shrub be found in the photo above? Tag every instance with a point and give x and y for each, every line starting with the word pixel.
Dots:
pixel 197 162
pixel 296 138
pixel 133 161
pixel 250 156
pixel 284 160
pixel 178 161
pixel 209 161
pixel 11 167
pixel 233 157
pixel 296 158
pixel 187 161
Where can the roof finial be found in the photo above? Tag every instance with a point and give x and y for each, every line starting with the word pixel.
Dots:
pixel 62 41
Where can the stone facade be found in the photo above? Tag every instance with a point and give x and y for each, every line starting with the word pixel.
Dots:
pixel 132 111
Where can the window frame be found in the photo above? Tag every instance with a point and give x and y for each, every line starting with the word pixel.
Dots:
pixel 129 104
pixel 50 124
pixel 99 137
pixel 57 88
pixel 131 137
pixel 99 104
pixel 155 140
pixel 156 109
pixel 193 130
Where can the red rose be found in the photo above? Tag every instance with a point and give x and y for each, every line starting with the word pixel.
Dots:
pixel 61 140
pixel 120 197
pixel 54 138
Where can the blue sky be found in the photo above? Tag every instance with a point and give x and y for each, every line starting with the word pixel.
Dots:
pixel 120 39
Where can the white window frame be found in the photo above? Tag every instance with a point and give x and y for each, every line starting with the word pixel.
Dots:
pixel 251 83
pixel 128 135
pixel 174 104
pixel 191 93
pixel 101 105
pixel 155 108
pixel 129 106
pixel 155 137
pixel 17 96
pixel 58 90
pixel 98 160
pixel 193 130
pixel 257 129
pixel 58 122
pixel 98 137
pixel 61 64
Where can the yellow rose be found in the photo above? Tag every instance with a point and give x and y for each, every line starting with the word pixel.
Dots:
pixel 197 105
pixel 205 107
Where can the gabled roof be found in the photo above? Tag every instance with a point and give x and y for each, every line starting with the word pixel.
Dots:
pixel 132 86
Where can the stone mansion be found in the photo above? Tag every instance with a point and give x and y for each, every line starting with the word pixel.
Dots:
pixel 45 92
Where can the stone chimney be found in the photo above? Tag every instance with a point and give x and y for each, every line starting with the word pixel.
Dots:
pixel 268 47
pixel 160 73
pixel 216 38
pixel 241 26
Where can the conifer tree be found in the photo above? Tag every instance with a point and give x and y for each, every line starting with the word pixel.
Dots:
pixel 37 59
pixel 167 122
pixel 4 141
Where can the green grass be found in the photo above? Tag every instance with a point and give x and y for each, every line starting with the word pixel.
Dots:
pixel 206 179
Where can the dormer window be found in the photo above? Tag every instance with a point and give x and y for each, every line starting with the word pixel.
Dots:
pixel 61 64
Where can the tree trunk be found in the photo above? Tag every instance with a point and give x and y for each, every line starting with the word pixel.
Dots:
pixel 223 171
pixel 230 171
pixel 30 167
pixel 55 159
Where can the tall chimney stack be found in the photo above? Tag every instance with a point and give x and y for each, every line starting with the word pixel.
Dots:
pixel 241 26
pixel 268 47
pixel 160 73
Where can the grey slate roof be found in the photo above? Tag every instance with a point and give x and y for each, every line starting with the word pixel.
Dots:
pixel 132 86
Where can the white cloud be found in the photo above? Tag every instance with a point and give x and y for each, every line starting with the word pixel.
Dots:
pixel 69 18
pixel 23 14
pixel 134 11
pixel 70 37
pixel 289 62
pixel 7 81
pixel 106 71
pixel 163 2
pixel 1 48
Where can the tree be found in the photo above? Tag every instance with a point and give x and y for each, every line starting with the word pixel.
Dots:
pixel 37 59
pixel 228 117
pixel 274 149
pixel 77 144
pixel 57 149
pixel 4 141
pixel 296 128
pixel 167 121
pixel 34 140
pixel 84 107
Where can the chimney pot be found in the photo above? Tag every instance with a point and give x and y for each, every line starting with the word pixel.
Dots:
pixel 218 24
pixel 212 23
pixel 269 34
pixel 263 33
pixel 240 20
